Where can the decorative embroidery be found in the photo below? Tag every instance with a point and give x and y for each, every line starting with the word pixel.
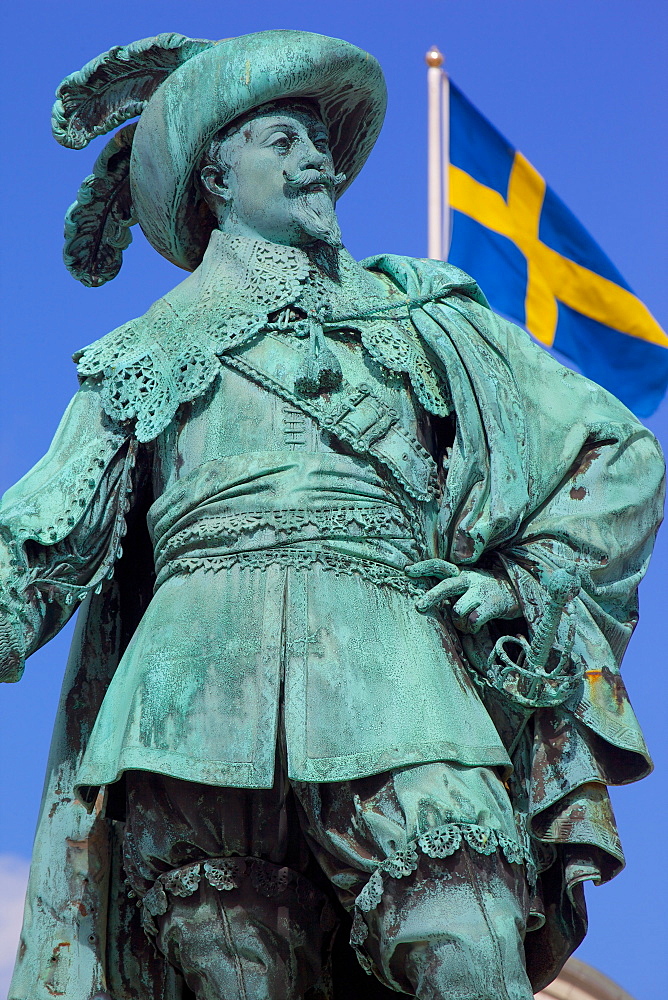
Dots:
pixel 376 573
pixel 183 881
pixel 514 853
pixel 224 873
pixel 481 840
pixel 401 863
pixel 219 531
pixel 155 900
pixel 148 367
pixel 442 842
pixel 358 935
pixel 269 880
pixel 28 588
pixel 154 904
pixel 77 482
pixel 395 346
pixel 372 893
pixel 267 276
pixel 73 593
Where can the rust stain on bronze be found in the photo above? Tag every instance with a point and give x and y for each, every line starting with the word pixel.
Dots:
pixel 617 687
pixel 54 960
pixel 589 457
pixel 614 682
pixel 56 804
pixel 578 493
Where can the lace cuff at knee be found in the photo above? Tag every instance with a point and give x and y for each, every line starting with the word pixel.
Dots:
pixel 224 874
pixel 441 842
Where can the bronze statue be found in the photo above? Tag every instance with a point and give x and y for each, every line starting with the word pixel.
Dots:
pixel 357 564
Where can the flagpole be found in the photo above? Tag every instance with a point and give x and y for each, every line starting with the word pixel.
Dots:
pixel 434 60
pixel 445 166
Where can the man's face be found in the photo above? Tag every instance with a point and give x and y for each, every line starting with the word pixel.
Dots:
pixel 276 181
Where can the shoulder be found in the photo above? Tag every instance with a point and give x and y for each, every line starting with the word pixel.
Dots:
pixel 424 278
pixel 147 367
pixel 159 327
pixel 120 344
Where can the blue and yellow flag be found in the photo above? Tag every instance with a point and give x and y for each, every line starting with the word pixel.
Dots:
pixel 538 265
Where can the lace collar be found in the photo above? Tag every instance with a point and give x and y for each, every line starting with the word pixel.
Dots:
pixel 247 275
pixel 151 365
pixel 242 278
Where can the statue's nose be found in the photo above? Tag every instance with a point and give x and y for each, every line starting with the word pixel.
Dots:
pixel 312 158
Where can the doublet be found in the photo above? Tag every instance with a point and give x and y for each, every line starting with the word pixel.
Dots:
pixel 281 593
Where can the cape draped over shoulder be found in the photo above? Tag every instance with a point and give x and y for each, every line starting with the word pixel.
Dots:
pixel 546 470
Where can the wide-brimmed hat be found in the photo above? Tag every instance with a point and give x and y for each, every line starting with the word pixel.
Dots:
pixel 185 90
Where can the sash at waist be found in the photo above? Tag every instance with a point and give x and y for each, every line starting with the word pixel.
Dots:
pixel 276 501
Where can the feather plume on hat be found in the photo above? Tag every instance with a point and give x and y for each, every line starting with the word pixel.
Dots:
pixel 107 92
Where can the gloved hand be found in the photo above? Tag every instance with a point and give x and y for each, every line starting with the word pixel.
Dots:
pixel 482 594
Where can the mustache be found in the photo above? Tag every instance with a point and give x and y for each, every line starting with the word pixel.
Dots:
pixel 301 180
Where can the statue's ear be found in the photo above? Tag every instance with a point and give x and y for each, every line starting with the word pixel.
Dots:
pixel 215 187
pixel 116 86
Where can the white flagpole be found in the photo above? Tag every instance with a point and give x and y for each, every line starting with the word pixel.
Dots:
pixel 434 60
pixel 445 127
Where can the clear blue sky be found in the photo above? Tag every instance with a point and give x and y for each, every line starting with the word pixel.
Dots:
pixel 578 85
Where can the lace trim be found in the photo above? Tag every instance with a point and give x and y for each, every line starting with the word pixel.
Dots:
pixel 441 842
pixel 376 573
pixel 266 276
pixel 77 482
pixel 13 643
pixel 260 279
pixel 224 530
pixel 393 347
pixel 223 874
pixel 149 366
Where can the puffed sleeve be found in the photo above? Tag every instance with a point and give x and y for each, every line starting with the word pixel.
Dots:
pixel 602 520
pixel 61 527
pixel 549 471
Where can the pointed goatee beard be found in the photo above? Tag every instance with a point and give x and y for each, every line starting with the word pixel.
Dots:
pixel 315 214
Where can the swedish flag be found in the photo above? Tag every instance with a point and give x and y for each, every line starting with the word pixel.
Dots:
pixel 539 266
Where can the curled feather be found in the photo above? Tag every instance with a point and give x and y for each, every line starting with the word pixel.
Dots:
pixel 116 86
pixel 97 225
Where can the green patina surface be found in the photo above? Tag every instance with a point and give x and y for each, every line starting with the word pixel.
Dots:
pixel 304 502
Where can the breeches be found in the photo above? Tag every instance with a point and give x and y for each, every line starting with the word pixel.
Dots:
pixel 245 890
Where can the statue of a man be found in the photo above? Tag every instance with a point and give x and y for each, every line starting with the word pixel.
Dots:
pixel 357 669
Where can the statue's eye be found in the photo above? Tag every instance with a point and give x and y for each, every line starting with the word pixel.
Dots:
pixel 281 142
